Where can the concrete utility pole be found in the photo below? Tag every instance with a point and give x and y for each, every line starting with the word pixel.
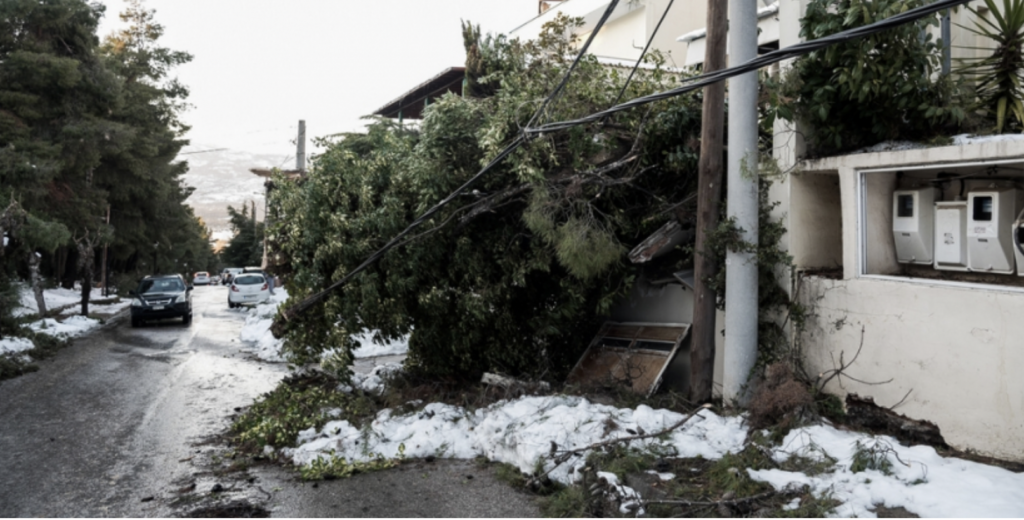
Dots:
pixel 709 196
pixel 741 268
pixel 300 147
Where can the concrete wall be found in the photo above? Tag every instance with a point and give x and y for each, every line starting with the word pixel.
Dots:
pixel 955 346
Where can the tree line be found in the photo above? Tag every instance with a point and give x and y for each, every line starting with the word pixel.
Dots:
pixel 89 134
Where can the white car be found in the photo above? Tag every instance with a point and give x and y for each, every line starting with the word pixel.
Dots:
pixel 201 278
pixel 248 289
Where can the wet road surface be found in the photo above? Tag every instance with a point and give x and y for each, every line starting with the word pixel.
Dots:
pixel 117 423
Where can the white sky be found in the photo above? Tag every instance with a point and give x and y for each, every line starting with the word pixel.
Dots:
pixel 261 65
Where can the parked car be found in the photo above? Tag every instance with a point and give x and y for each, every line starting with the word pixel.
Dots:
pixel 160 297
pixel 248 289
pixel 228 273
pixel 201 278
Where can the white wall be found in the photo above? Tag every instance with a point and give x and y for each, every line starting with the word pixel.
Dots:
pixel 956 348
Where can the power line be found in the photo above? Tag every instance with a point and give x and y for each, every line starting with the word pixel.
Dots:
pixel 793 51
pixel 692 84
pixel 516 143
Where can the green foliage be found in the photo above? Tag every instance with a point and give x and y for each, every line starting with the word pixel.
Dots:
pixel 870 89
pixel 872 455
pixel 246 247
pixel 998 75
pixel 299 403
pixel 86 127
pixel 513 277
pixel 567 502
pixel 334 467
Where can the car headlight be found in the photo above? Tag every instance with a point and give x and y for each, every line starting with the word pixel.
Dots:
pixel 137 302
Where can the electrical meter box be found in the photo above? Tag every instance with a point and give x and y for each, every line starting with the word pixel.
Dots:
pixel 913 225
pixel 990 215
pixel 951 236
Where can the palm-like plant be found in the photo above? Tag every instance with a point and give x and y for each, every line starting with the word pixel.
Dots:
pixel 999 75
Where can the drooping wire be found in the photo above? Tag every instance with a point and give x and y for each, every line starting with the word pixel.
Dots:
pixel 691 84
pixel 764 60
pixel 516 143
pixel 583 50
pixel 643 53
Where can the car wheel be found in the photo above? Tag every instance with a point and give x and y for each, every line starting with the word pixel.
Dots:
pixel 135 323
pixel 187 319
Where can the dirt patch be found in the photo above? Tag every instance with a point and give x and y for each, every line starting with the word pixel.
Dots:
pixel 864 414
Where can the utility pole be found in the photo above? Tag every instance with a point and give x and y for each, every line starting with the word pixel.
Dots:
pixel 741 267
pixel 709 195
pixel 300 147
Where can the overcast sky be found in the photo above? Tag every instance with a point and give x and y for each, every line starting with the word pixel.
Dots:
pixel 261 65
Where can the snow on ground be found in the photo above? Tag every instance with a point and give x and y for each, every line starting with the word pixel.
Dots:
pixel 56 297
pixel 256 330
pixel 921 481
pixel 521 432
pixel 368 348
pixel 518 432
pixel 72 326
pixel 15 345
pixel 256 333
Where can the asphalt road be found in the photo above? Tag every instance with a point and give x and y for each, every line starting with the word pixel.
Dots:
pixel 125 422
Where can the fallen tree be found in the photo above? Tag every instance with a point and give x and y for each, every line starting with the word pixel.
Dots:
pixel 516 277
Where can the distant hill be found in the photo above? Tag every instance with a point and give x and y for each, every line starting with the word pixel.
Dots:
pixel 222 179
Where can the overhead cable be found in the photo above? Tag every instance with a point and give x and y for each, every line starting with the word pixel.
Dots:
pixel 764 60
pixel 691 84
pixel 311 300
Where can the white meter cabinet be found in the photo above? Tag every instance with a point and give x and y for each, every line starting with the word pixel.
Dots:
pixel 990 214
pixel 913 225
pixel 951 236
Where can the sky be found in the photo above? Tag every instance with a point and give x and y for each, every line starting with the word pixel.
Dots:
pixel 261 65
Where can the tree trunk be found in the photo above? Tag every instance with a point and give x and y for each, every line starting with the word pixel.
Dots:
pixel 37 285
pixel 709 196
pixel 85 263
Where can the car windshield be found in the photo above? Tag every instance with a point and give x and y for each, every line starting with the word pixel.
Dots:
pixel 201 274
pixel 248 280
pixel 161 285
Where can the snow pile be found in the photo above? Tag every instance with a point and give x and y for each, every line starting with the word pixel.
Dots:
pixel 262 343
pixel 14 345
pixel 518 432
pixel 963 139
pixel 920 480
pixel 373 382
pixel 524 431
pixel 256 330
pixel 71 327
pixel 368 348
pixel 629 500
pixel 55 298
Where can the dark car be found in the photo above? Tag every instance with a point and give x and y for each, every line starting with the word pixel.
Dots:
pixel 161 297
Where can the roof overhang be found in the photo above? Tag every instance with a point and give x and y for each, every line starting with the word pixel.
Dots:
pixel 589 10
pixel 768 31
pixel 411 104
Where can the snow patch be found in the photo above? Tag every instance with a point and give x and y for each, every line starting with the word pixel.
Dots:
pixel 518 432
pixel 15 345
pixel 369 348
pixel 256 330
pixel 920 480
pixel 71 327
